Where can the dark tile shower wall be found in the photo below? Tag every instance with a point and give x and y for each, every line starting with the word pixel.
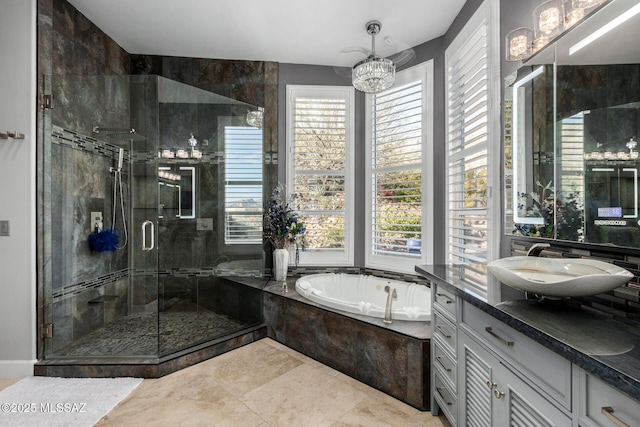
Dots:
pixel 71 46
pixel 185 244
pixel 253 82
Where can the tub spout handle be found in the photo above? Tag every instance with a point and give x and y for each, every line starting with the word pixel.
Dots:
pixel 387 311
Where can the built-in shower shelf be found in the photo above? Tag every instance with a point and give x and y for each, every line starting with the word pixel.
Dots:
pixel 102 299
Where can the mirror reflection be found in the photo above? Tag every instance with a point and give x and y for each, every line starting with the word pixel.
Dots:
pixel 575 123
pixel 177 192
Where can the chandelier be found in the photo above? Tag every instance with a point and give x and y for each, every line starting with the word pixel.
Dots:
pixel 254 118
pixel 373 74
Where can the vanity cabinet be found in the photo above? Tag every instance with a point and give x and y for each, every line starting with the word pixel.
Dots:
pixel 444 341
pixel 493 395
pixel 507 364
pixel 601 405
pixel 506 378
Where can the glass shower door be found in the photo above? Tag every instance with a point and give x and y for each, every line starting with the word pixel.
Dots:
pixel 100 295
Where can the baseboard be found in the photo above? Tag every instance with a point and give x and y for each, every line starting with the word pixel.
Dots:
pixel 16 368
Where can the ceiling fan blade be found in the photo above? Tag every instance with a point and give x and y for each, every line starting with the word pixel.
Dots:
pixel 357 49
pixel 404 57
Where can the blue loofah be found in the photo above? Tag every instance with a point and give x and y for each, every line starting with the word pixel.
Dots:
pixel 104 241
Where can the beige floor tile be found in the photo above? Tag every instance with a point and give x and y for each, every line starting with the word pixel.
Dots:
pixel 249 367
pixel 6 382
pixel 304 396
pixel 263 384
pixel 146 411
pixel 383 411
pixel 439 421
pixel 185 384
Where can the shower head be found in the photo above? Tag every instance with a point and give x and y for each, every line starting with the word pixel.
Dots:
pixel 114 131
pixel 127 134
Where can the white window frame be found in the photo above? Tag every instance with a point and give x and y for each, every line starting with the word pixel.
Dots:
pixel 488 13
pixel 310 257
pixel 234 241
pixel 398 263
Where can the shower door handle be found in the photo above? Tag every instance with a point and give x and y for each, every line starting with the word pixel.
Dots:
pixel 144 236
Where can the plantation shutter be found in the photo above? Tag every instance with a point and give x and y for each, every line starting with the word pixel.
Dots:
pixel 467 149
pixel 397 171
pixel 321 172
pixel 242 185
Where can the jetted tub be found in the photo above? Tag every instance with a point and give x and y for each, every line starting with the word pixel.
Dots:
pixel 363 294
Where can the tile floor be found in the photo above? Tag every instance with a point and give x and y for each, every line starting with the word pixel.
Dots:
pixel 263 384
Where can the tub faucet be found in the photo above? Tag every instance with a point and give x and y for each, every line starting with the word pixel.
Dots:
pixel 535 249
pixel 387 311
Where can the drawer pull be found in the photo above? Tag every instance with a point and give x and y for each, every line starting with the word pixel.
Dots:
pixel 442 364
pixel 607 411
pixel 443 332
pixel 442 396
pixel 447 300
pixel 489 329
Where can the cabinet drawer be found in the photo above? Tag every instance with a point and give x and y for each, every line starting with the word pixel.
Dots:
pixel 446 398
pixel 606 406
pixel 548 371
pixel 445 300
pixel 445 364
pixel 446 332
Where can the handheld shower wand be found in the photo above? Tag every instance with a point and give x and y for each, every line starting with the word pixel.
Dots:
pixel 120 158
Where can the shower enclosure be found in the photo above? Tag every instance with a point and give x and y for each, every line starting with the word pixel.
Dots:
pixel 181 172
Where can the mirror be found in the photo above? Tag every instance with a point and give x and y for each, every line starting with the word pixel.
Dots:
pixel 572 119
pixel 177 192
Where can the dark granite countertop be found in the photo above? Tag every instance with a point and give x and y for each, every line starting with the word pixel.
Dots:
pixel 603 347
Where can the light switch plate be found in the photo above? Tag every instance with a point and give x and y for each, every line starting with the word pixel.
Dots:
pixel 4 228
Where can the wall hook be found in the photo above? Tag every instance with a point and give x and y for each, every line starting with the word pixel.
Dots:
pixel 15 135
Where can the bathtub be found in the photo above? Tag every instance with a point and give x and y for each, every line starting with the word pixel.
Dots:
pixel 363 294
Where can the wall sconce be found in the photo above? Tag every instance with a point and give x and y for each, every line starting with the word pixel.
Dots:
pixel 572 14
pixel 586 4
pixel 548 19
pixel 519 44
pixel 255 118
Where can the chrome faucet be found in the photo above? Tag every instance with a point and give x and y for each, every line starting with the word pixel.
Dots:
pixel 387 311
pixel 535 249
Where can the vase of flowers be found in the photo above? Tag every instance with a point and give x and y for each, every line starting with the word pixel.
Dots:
pixel 282 228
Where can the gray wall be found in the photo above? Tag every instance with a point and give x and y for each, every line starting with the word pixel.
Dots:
pixel 17 194
pixel 293 74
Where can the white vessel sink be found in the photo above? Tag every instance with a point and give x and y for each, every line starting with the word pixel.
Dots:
pixel 559 277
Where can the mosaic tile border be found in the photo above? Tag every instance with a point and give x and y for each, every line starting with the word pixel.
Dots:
pixel 107 279
pixel 78 141
pixel 77 288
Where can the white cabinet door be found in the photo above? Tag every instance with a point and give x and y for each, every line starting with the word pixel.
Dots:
pixel 477 383
pixel 492 395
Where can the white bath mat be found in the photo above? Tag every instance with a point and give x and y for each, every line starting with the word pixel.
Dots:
pixel 68 402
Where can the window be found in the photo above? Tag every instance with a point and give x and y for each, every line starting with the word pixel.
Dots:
pixel 242 185
pixel 473 132
pixel 320 170
pixel 399 131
